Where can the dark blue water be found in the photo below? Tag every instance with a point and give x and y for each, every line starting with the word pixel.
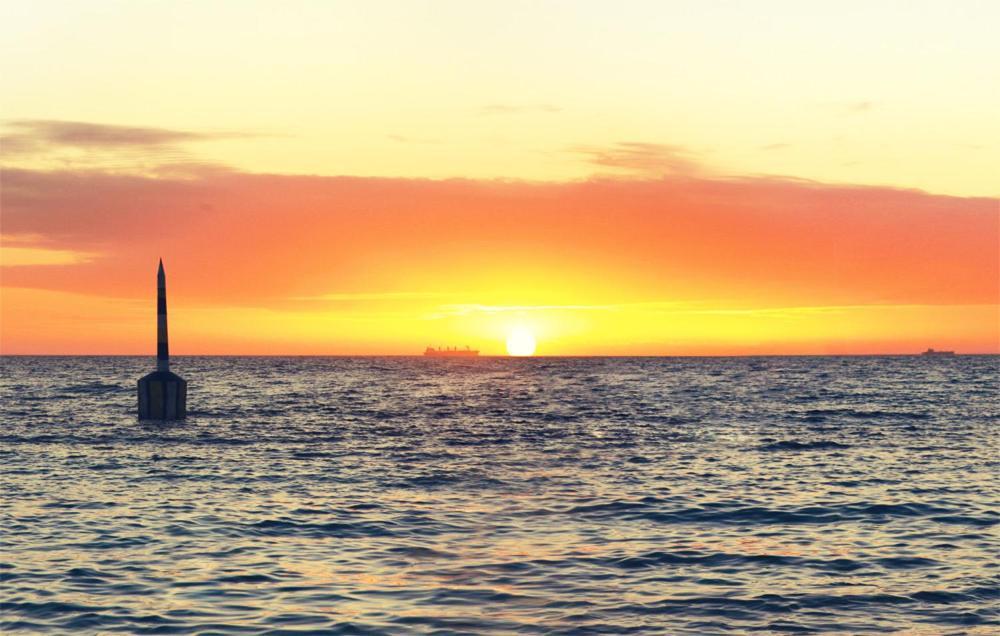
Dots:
pixel 555 496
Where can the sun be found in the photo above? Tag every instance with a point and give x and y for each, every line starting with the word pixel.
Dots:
pixel 520 342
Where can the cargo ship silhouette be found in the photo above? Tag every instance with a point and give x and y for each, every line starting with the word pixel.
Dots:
pixel 450 352
pixel 932 352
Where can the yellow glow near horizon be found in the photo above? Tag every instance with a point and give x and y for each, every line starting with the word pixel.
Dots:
pixel 119 326
pixel 521 342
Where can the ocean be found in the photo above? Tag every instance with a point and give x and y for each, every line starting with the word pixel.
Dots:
pixel 404 495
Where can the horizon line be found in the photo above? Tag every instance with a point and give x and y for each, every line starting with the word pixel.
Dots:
pixel 420 355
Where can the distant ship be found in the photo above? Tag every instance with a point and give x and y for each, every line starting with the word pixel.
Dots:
pixel 932 352
pixel 450 352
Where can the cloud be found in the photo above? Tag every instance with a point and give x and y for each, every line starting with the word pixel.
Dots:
pixel 370 296
pixel 235 238
pixel 404 139
pixel 13 256
pixel 71 145
pixel 666 308
pixel 642 158
pixel 30 134
pixel 464 309
pixel 514 109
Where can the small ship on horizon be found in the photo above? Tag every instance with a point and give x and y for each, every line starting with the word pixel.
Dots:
pixel 933 352
pixel 451 352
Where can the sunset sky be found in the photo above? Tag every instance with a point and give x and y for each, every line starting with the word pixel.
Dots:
pixel 654 178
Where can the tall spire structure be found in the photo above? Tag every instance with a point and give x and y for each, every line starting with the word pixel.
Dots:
pixel 162 394
pixel 162 347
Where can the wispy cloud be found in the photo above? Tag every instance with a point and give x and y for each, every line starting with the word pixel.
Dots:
pixel 74 145
pixel 673 308
pixel 465 309
pixel 33 134
pixel 13 256
pixel 642 158
pixel 370 296
pixel 667 310
pixel 514 109
pixel 405 139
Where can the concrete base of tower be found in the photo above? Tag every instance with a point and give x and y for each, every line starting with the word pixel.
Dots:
pixel 162 396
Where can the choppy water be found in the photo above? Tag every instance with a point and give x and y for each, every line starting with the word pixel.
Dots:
pixel 404 495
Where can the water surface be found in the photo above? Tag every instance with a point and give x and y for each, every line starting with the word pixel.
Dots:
pixel 548 496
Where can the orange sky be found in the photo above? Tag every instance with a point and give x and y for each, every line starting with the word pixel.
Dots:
pixel 370 194
pixel 276 264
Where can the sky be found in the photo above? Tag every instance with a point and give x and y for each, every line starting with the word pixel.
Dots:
pixel 628 178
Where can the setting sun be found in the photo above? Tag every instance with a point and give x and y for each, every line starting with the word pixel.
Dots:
pixel 520 342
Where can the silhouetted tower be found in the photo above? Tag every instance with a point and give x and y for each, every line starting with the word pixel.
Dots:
pixel 162 394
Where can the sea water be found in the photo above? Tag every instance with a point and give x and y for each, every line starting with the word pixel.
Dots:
pixel 536 496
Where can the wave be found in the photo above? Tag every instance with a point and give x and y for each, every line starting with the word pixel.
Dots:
pixel 867 414
pixel 765 605
pixel 333 529
pixel 659 511
pixel 794 445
